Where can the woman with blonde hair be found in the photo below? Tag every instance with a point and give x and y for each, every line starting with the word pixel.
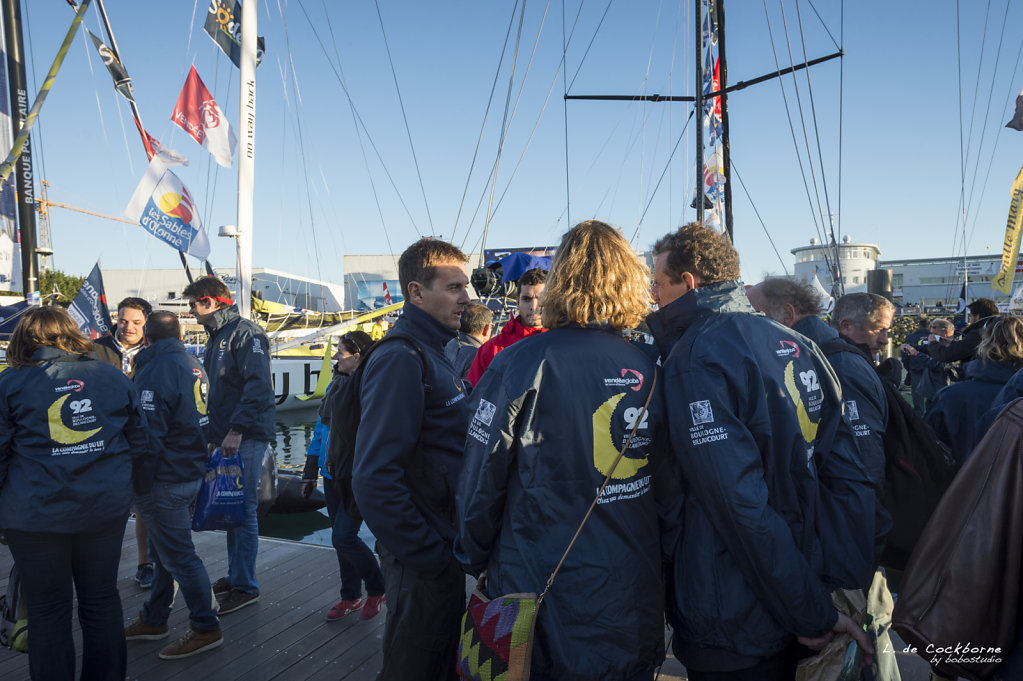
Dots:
pixel 957 413
pixel 72 437
pixel 551 415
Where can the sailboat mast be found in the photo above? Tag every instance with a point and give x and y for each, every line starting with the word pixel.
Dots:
pixel 19 110
pixel 726 146
pixel 246 155
pixel 699 111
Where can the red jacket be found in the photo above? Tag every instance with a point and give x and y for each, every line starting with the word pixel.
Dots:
pixel 512 332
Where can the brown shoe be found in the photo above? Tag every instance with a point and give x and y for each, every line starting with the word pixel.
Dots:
pixel 221 586
pixel 140 631
pixel 192 643
pixel 235 600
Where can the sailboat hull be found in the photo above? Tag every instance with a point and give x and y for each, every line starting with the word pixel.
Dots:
pixel 295 378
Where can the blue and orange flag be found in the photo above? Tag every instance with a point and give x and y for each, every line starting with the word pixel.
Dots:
pixel 89 308
pixel 164 207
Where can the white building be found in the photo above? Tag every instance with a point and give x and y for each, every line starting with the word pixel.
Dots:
pixel 855 260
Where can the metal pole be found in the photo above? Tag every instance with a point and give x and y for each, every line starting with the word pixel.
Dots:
pixel 19 111
pixel 246 155
pixel 726 147
pixel 699 111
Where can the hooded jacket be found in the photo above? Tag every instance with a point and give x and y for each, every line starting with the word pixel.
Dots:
pixel 172 389
pixel 958 409
pixel 512 332
pixel 461 351
pixel 408 449
pixel 71 437
pixel 550 416
pixel 865 410
pixel 237 363
pixel 750 404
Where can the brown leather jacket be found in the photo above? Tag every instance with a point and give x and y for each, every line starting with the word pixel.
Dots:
pixel 960 594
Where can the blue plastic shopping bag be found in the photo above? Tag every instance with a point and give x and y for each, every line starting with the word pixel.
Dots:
pixel 220 504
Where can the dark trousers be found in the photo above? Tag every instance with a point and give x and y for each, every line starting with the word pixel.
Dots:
pixel 53 568
pixel 779 667
pixel 355 560
pixel 423 615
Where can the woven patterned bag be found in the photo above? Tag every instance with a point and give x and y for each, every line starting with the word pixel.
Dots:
pixel 496 642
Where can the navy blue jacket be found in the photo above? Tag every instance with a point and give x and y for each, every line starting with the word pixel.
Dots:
pixel 865 409
pixel 172 389
pixel 958 410
pixel 71 437
pixel 237 363
pixel 408 451
pixel 550 415
pixel 750 405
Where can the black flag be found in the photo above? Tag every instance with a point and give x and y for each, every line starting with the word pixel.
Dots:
pixel 89 308
pixel 1017 120
pixel 122 81
pixel 224 25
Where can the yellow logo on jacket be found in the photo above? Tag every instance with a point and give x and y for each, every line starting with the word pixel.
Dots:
pixel 604 449
pixel 62 433
pixel 200 397
pixel 807 427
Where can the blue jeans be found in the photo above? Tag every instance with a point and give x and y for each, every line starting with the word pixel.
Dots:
pixel 356 561
pixel 243 542
pixel 165 512
pixel 49 563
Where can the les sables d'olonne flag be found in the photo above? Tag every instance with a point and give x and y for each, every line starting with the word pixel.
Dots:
pixel 1013 231
pixel 89 308
pixel 165 209
pixel 224 25
pixel 199 115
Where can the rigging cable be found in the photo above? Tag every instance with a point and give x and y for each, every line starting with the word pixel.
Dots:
pixel 564 106
pixel 757 212
pixel 361 122
pixel 486 115
pixel 404 117
pixel 504 130
pixel 653 194
pixel 792 131
pixel 355 122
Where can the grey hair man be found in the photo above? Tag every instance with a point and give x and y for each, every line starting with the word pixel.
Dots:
pixel 473 331
pixel 864 319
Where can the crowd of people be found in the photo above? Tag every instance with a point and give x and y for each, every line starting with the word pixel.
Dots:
pixel 739 458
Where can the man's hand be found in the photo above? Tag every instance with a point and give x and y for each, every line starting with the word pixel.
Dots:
pixel 307 488
pixel 843 625
pixel 232 441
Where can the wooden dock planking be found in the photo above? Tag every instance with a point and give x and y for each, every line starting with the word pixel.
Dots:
pixel 283 636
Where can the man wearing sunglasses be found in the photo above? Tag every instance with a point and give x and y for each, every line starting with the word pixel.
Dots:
pixel 241 410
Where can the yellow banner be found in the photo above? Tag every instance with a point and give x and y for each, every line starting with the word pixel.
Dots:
pixel 1013 231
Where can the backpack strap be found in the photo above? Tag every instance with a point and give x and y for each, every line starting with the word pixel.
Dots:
pixel 415 345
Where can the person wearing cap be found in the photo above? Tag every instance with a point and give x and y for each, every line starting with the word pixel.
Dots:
pixel 241 409
pixel 982 312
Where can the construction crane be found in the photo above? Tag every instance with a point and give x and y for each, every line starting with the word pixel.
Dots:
pixel 43 205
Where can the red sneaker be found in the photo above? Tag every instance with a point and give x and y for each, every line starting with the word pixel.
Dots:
pixel 372 609
pixel 344 608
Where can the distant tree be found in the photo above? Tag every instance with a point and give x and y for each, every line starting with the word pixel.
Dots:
pixel 67 285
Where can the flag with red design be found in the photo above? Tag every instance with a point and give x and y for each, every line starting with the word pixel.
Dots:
pixel 387 295
pixel 199 115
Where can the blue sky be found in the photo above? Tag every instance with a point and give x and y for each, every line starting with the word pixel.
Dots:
pixel 901 175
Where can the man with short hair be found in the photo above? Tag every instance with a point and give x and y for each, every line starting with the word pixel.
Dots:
pixel 119 349
pixel 750 404
pixel 864 319
pixel 473 332
pixel 982 312
pixel 408 454
pixel 241 409
pixel 859 522
pixel 173 389
pixel 527 322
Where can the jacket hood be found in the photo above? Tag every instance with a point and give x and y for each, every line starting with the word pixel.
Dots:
pixel 46 353
pixel 162 346
pixel 426 327
pixel 815 329
pixel 670 322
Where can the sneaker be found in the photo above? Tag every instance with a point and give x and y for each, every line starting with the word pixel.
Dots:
pixel 192 643
pixel 372 607
pixel 140 631
pixel 144 575
pixel 344 608
pixel 235 600
pixel 221 586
